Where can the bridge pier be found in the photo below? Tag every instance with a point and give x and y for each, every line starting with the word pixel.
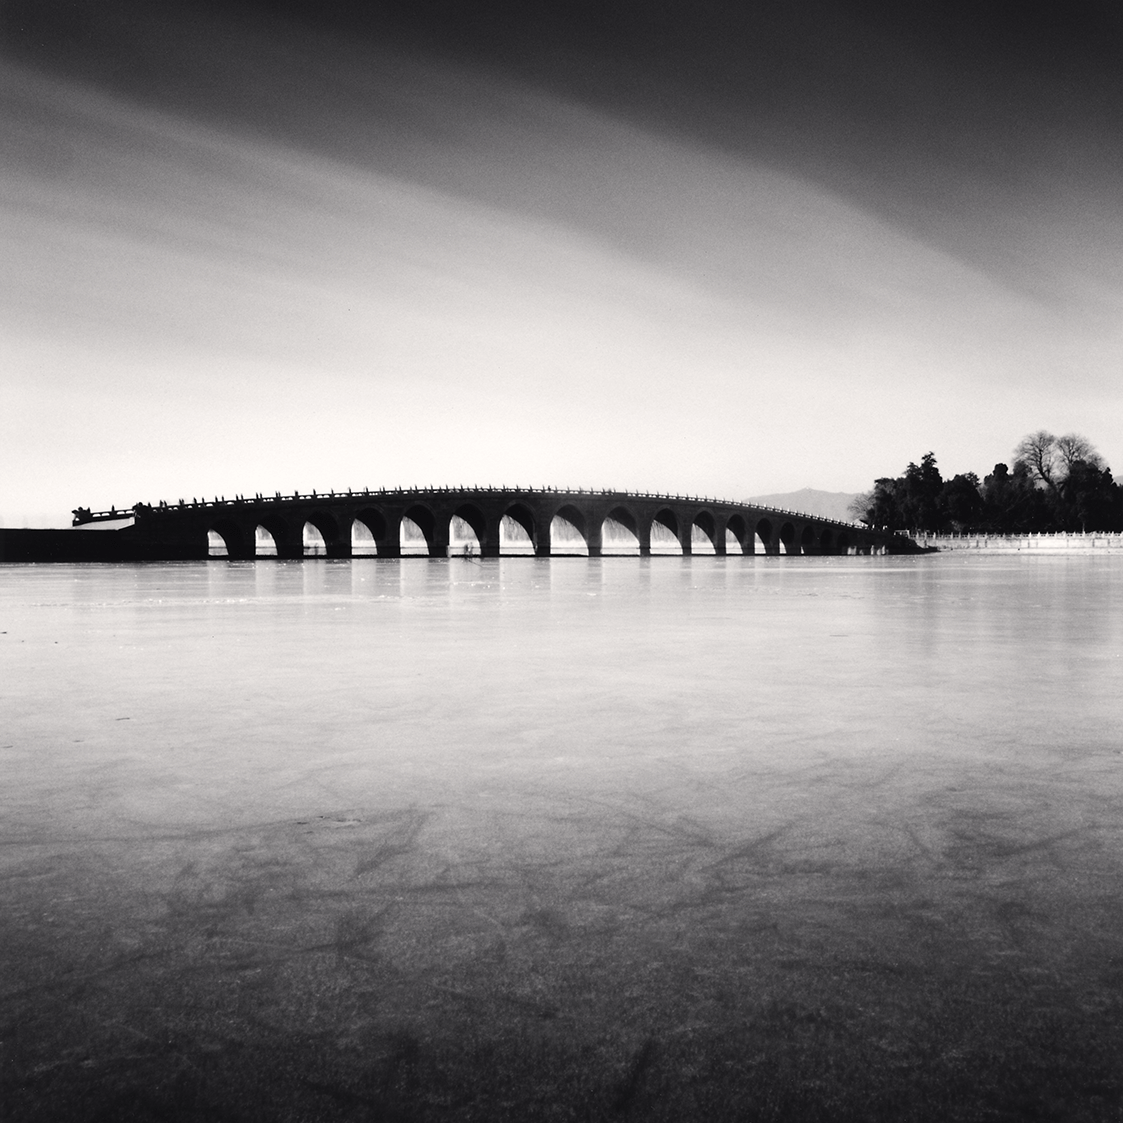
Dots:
pixel 337 535
pixel 339 546
pixel 594 537
pixel 542 536
pixel 288 538
pixel 438 541
pixel 390 544
pixel 290 547
pixel 233 536
pixel 245 548
pixel 489 541
pixel 643 533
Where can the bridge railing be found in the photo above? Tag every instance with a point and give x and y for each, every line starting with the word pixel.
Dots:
pixel 85 515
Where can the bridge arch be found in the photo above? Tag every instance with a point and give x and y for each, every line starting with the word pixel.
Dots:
pixel 265 542
pixel 233 541
pixel 625 517
pixel 472 517
pixel 788 539
pixel 707 539
pixel 422 517
pixel 574 516
pixel 281 531
pixel 663 532
pixel 572 519
pixel 765 531
pixel 313 544
pixel 374 520
pixel 612 540
pixel 735 525
pixel 523 517
pixel 326 527
pixel 383 541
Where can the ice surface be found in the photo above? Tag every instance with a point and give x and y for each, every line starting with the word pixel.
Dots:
pixel 570 838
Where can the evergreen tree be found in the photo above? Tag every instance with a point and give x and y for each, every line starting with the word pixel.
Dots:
pixel 1012 503
pixel 922 488
pixel 1057 483
pixel 961 502
pixel 1088 499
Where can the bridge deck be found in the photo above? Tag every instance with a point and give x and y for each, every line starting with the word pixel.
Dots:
pixel 185 528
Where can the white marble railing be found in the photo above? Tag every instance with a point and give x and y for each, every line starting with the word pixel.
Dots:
pixel 1060 542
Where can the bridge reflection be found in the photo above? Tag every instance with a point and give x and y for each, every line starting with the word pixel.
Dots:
pixel 489 522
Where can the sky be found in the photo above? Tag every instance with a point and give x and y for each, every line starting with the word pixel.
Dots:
pixel 721 248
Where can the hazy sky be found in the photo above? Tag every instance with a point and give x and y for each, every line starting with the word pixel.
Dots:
pixel 729 248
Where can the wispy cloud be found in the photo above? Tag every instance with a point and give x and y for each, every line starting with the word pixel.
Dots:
pixel 477 279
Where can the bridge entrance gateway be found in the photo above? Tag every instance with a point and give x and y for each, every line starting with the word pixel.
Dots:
pixel 438 522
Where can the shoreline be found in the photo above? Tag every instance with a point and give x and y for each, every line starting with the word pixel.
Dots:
pixel 1060 542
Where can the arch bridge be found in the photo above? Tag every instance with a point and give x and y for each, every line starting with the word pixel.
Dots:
pixel 186 530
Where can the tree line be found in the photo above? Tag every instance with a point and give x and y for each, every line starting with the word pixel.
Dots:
pixel 1055 484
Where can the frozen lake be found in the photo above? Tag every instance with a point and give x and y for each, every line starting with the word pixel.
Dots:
pixel 701 838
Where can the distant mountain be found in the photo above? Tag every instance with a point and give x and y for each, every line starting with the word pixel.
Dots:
pixel 825 504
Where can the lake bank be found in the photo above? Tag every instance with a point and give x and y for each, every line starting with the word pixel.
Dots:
pixel 1054 543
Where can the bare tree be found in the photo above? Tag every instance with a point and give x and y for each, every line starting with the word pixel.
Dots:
pixel 1073 447
pixel 859 506
pixel 1050 459
pixel 1038 452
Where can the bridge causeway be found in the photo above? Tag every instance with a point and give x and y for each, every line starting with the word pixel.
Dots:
pixel 182 530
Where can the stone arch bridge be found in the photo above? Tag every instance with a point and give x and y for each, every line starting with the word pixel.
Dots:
pixel 183 530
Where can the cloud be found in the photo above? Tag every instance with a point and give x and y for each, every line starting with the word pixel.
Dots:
pixel 476 278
